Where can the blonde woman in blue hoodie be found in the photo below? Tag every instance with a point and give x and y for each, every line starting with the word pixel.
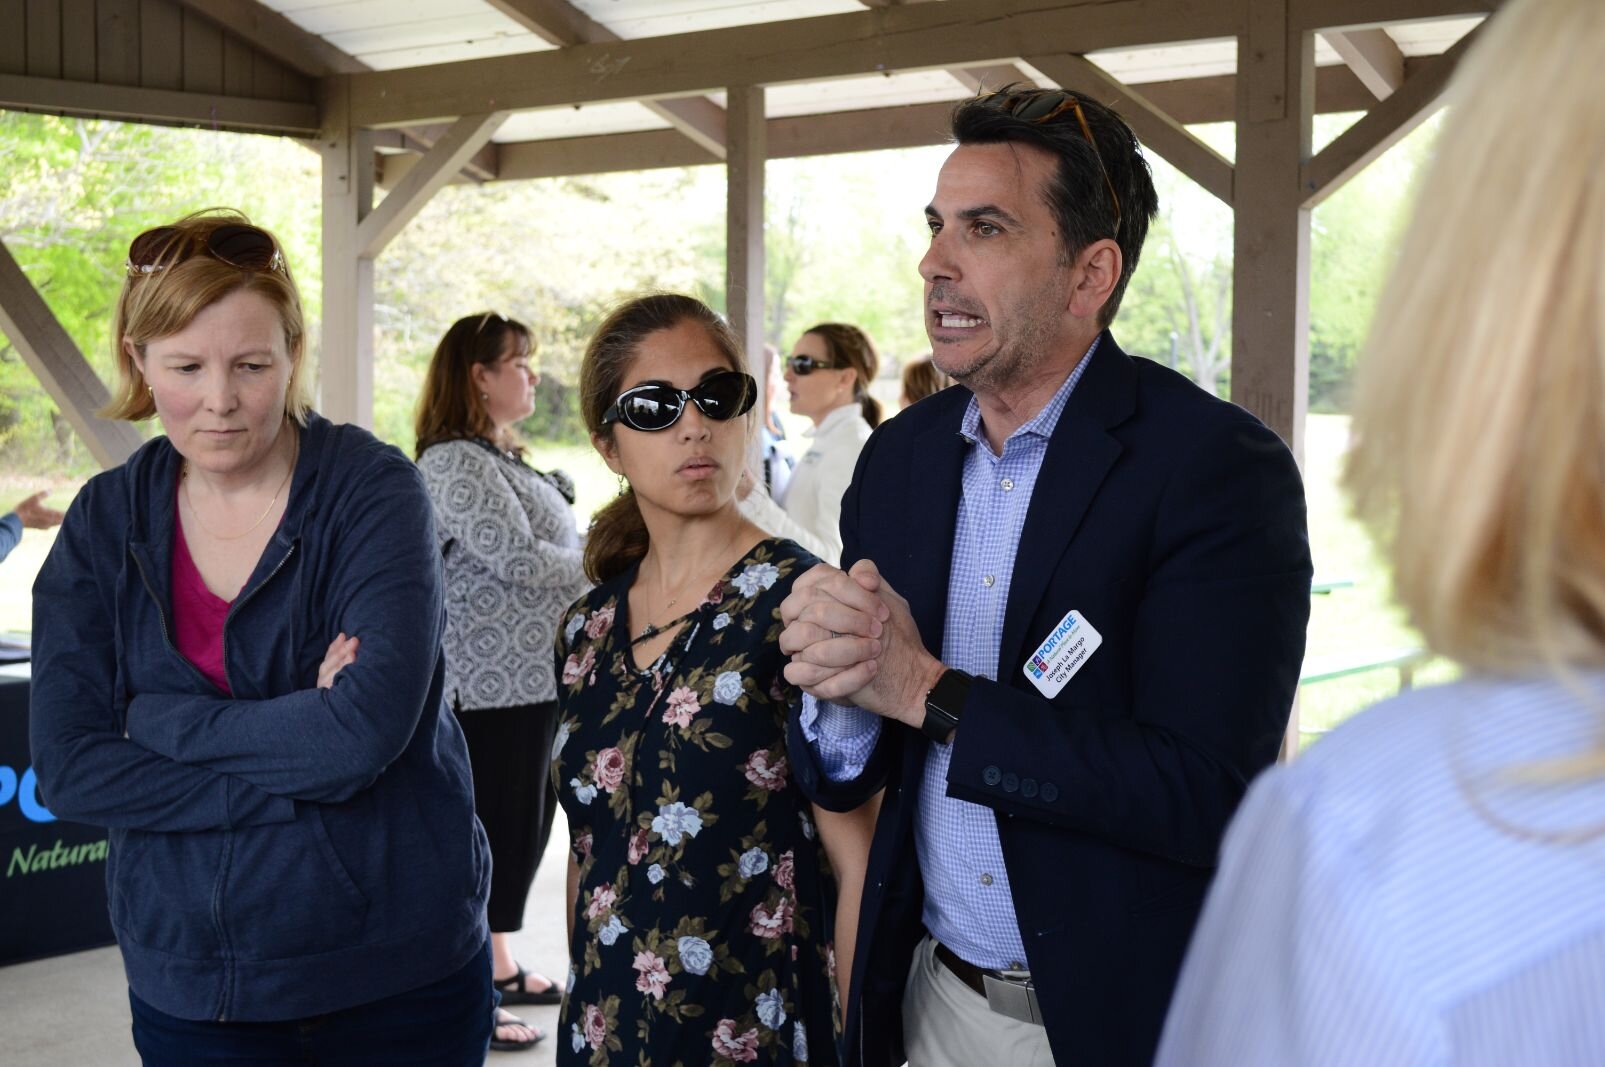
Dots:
pixel 238 672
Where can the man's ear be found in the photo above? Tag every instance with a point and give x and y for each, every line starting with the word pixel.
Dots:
pixel 609 452
pixel 1096 275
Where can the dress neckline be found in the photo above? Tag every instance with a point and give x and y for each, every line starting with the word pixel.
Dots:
pixel 621 624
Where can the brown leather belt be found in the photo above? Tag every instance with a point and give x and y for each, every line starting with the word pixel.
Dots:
pixel 1008 993
pixel 967 972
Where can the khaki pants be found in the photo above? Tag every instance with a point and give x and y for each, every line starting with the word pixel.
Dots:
pixel 947 1024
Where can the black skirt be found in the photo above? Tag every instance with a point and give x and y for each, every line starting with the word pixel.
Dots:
pixel 511 749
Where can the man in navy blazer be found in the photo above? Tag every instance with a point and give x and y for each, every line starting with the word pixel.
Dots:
pixel 1069 635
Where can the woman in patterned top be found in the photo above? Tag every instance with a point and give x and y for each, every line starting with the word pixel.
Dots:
pixel 512 561
pixel 698 910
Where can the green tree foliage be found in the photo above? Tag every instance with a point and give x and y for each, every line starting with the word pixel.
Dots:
pixel 74 192
pixel 844 237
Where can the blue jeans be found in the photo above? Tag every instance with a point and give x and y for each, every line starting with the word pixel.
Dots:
pixel 446 1023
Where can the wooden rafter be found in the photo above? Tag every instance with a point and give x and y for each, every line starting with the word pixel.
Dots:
pixel 974 79
pixel 957 33
pixel 1372 55
pixel 434 170
pixel 310 54
pixel 133 104
pixel 1342 14
pixel 563 24
pixel 1382 127
pixel 1188 101
pixel 50 353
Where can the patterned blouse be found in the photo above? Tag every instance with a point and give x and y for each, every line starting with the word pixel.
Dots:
pixel 512 557
pixel 702 925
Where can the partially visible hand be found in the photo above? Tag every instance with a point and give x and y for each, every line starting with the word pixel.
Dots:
pixel 342 652
pixel 35 516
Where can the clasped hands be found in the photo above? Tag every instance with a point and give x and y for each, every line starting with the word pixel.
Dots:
pixel 852 640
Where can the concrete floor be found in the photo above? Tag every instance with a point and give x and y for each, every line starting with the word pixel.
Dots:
pixel 72 1011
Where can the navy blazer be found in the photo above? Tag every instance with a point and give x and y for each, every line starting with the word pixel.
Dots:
pixel 1175 523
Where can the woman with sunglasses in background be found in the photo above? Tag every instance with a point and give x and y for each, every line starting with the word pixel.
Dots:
pixel 699 920
pixel 828 374
pixel 512 560
pixel 295 871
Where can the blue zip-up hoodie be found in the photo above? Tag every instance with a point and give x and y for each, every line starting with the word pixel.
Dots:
pixel 285 851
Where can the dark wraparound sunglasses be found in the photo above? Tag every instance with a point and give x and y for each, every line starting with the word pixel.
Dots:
pixel 802 366
pixel 724 396
pixel 236 244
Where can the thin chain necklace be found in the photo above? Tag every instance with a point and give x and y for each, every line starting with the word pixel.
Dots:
pixel 652 630
pixel 195 512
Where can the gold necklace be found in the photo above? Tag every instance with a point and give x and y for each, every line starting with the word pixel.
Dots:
pixel 196 514
pixel 651 629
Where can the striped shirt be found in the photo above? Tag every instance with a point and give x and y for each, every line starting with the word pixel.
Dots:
pixel 968 906
pixel 1398 896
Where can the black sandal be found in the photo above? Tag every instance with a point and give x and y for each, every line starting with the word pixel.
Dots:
pixel 515 990
pixel 507 1018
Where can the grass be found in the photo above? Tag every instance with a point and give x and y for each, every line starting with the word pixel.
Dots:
pixel 1355 621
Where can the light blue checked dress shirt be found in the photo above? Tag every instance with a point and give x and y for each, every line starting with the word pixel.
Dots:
pixel 967 902
pixel 1398 896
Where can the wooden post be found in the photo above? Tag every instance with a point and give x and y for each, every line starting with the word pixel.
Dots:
pixel 1271 253
pixel 744 250
pixel 346 367
pixel 1271 256
pixel 50 353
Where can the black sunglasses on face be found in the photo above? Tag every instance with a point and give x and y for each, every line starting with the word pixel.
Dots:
pixel 802 366
pixel 236 244
pixel 724 396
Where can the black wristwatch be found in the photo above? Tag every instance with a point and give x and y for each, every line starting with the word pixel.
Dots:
pixel 944 703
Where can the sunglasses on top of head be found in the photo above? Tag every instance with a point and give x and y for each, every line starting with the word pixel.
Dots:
pixel 237 244
pixel 802 366
pixel 724 396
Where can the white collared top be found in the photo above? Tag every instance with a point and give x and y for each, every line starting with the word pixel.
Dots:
pixel 814 497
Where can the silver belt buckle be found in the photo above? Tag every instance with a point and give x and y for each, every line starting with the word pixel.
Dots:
pixel 1013 994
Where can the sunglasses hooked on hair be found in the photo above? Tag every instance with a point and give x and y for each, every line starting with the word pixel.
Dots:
pixel 649 408
pixel 236 244
pixel 1038 106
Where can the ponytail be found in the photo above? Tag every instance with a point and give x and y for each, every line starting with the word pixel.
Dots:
pixel 617 540
pixel 870 407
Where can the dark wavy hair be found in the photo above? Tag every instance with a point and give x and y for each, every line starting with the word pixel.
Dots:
pixel 1078 195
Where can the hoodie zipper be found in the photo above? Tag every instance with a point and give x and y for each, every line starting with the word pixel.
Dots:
pixel 228 838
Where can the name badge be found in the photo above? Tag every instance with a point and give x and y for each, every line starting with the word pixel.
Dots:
pixel 1068 647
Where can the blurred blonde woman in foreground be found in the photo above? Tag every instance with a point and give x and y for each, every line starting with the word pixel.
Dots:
pixel 1425 886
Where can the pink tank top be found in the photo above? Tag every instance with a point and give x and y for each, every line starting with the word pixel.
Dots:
pixel 198 613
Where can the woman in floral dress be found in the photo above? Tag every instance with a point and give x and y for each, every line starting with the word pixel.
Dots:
pixel 698 903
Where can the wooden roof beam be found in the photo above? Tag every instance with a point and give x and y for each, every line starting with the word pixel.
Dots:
pixel 50 353
pixel 1187 101
pixel 1345 14
pixel 1382 127
pixel 956 33
pixel 433 170
pixel 561 23
pixel 310 54
pixel 127 103
pixel 1372 55
pixel 975 80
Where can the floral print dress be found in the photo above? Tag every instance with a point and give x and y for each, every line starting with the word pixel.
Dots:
pixel 702 925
